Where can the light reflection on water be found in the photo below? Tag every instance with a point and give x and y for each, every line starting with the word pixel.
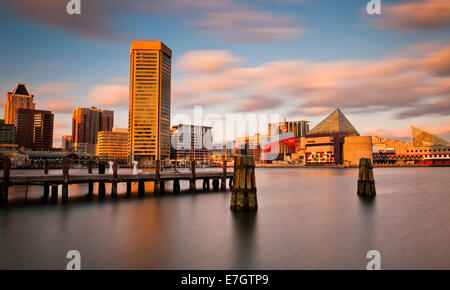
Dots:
pixel 307 218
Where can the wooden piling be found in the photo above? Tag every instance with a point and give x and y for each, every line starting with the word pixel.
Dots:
pixel 90 166
pixel 46 185
pixel 157 183
pixel 192 186
pixel 46 166
pixel 6 174
pixel 243 194
pixel 215 184
pixel 128 188
pixel 141 188
pixel 101 184
pixel 206 184
pixel 65 186
pixel 176 185
pixel 223 183
pixel 114 182
pixel 54 195
pixel 366 182
pixel 90 183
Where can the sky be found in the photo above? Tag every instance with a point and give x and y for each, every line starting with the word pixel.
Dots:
pixel 300 59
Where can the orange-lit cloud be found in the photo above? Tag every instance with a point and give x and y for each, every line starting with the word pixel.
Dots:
pixel 414 83
pixel 230 20
pixel 441 130
pixel 109 95
pixel 207 61
pixel 415 14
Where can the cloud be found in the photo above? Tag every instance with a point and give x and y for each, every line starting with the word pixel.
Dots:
pixel 441 130
pixel 206 61
pixel 408 15
pixel 54 89
pixel 257 103
pixel 230 20
pixel 409 83
pixel 110 95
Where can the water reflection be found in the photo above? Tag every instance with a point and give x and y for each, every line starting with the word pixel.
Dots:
pixel 244 239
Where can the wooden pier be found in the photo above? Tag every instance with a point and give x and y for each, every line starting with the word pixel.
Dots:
pixel 157 177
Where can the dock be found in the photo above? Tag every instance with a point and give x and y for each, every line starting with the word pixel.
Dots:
pixel 51 182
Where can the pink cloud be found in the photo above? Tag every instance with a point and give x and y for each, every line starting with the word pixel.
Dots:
pixel 418 14
pixel 206 61
pixel 441 130
pixel 109 95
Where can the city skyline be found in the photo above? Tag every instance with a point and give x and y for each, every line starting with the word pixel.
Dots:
pixel 384 77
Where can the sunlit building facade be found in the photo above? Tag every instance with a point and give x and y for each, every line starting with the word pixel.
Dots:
pixel 113 145
pixel 86 123
pixel 34 129
pixel 66 143
pixel 149 102
pixel 20 97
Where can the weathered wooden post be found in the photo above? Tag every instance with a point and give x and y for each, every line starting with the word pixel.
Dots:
pixel 192 186
pixel 101 184
pixel 114 182
pixel 223 183
pixel 243 195
pixel 206 184
pixel 90 166
pixel 46 185
pixel 215 184
pixel 176 185
pixel 54 195
pixel 156 187
pixel 90 183
pixel 141 188
pixel 366 182
pixel 6 173
pixel 128 188
pixel 65 186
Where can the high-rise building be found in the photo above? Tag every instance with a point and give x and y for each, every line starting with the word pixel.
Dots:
pixel 113 145
pixel 86 123
pixel 7 133
pixel 20 97
pixel 191 142
pixel 66 143
pixel 34 129
pixel 149 105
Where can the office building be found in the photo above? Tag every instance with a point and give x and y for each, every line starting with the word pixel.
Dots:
pixel 20 97
pixel 86 123
pixel 7 133
pixel 34 129
pixel 191 142
pixel 113 145
pixel 149 105
pixel 66 143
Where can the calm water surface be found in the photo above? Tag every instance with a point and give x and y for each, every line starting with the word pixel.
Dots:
pixel 307 219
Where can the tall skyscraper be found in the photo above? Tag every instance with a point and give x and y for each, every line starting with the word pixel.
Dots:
pixel 34 129
pixel 20 97
pixel 86 123
pixel 149 105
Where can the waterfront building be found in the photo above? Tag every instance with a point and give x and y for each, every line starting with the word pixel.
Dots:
pixel 66 143
pixel 86 123
pixel 7 133
pixel 149 105
pixel 336 141
pixel 298 128
pixel 113 145
pixel 191 142
pixel 34 129
pixel 20 97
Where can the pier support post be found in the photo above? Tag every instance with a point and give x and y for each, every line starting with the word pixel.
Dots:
pixel 90 183
pixel 141 188
pixel 5 187
pixel 215 184
pixel 114 182
pixel 230 182
pixel 101 184
pixel 161 186
pixel 206 184
pixel 65 186
pixel 366 182
pixel 128 188
pixel 46 185
pixel 176 185
pixel 243 195
pixel 223 183
pixel 192 186
pixel 157 183
pixel 54 196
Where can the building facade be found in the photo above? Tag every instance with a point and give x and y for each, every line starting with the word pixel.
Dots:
pixel 191 142
pixel 113 145
pixel 20 97
pixel 34 129
pixel 66 143
pixel 86 123
pixel 298 128
pixel 7 133
pixel 149 104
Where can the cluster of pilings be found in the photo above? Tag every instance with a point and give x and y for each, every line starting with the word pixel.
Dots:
pixel 243 193
pixel 366 181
